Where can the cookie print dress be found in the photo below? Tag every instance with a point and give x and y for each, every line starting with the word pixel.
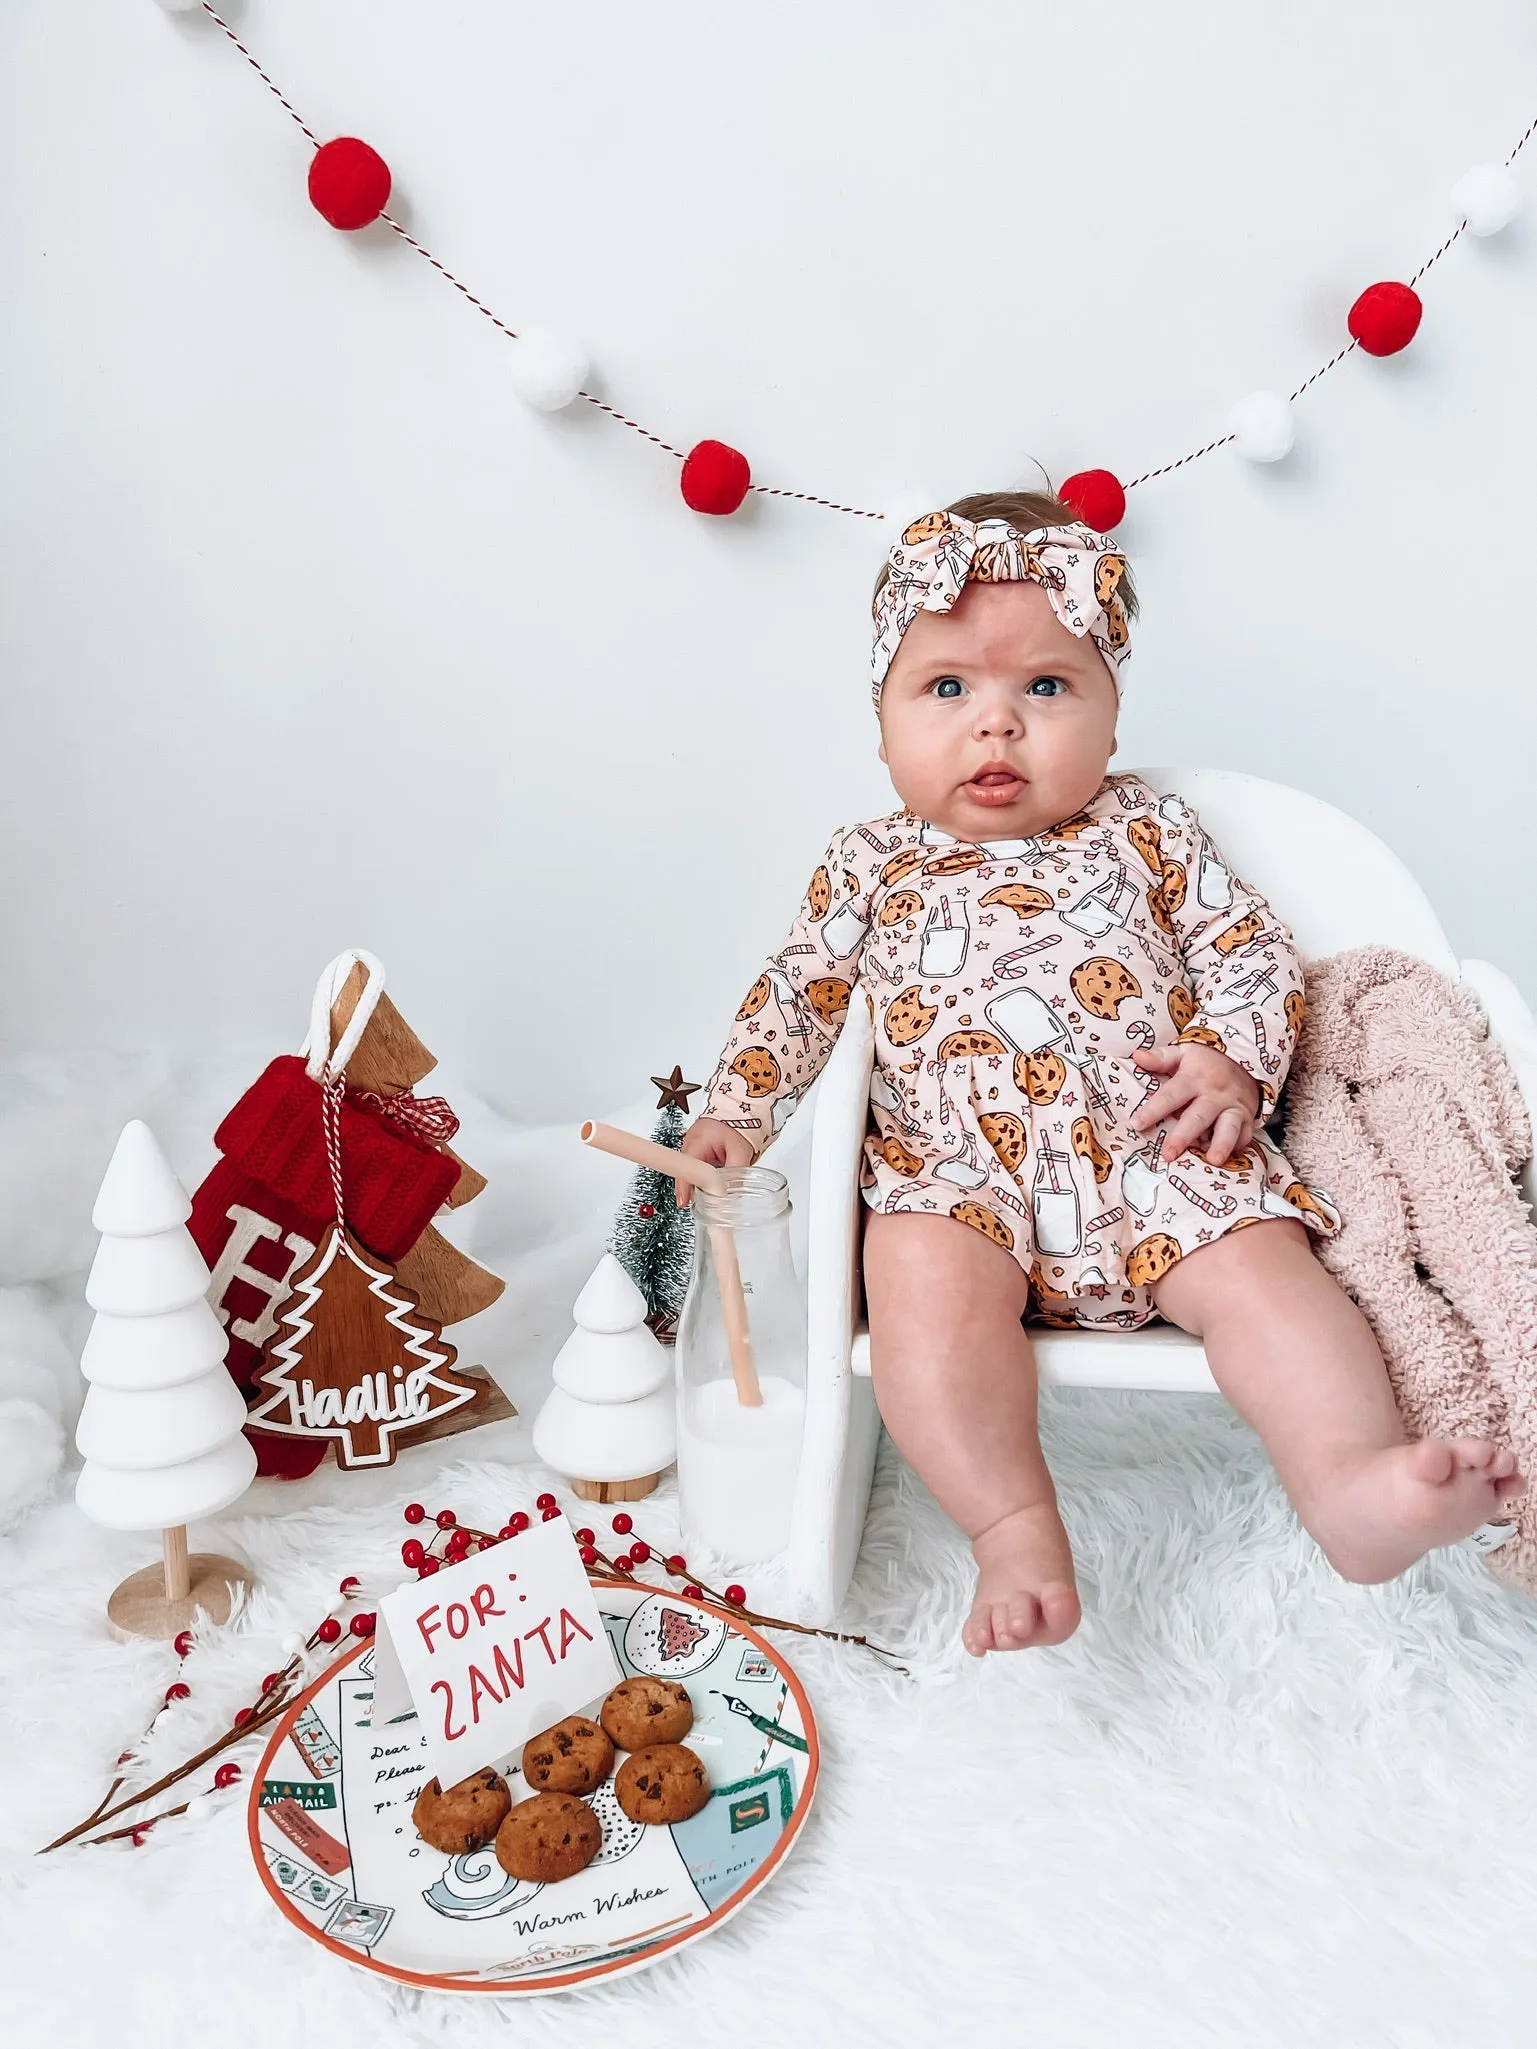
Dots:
pixel 1013 983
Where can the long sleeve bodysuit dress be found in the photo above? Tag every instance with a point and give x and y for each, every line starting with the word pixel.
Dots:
pixel 1012 983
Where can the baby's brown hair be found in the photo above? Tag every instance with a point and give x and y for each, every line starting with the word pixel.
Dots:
pixel 1023 510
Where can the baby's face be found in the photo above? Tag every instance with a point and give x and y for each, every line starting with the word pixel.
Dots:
pixel 996 722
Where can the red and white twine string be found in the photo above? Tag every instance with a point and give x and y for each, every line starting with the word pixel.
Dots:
pixel 771 490
pixel 333 1089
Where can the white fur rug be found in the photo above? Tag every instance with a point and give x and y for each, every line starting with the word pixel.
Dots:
pixel 1246 1805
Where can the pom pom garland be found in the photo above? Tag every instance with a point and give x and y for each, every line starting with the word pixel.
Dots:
pixel 1485 197
pixel 349 183
pixel 1384 319
pixel 715 477
pixel 1097 498
pixel 547 370
pixel 1261 426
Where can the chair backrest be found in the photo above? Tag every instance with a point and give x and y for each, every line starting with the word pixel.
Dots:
pixel 1335 883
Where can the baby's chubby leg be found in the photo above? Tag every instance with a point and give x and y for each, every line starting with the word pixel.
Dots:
pixel 1298 1360
pixel 955 1378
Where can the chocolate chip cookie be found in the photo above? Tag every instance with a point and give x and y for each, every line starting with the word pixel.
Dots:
pixel 573 1757
pixel 665 1782
pixel 642 1711
pixel 466 1817
pixel 547 1838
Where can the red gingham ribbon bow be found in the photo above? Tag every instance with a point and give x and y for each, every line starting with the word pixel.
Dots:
pixel 428 1118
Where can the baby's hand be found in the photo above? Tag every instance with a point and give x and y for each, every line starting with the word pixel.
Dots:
pixel 717 1145
pixel 1201 1095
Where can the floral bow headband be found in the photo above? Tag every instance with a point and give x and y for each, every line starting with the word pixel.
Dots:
pixel 938 555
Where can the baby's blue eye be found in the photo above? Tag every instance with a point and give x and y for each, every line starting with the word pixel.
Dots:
pixel 948 686
pixel 1047 686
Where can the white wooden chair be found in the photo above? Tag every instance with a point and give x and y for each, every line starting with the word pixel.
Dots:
pixel 1337 886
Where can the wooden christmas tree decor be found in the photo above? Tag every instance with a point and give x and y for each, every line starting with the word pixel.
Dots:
pixel 359 1362
pixel 263 1218
pixel 161 1429
pixel 609 1423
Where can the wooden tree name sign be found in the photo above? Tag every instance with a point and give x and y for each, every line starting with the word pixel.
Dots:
pixel 357 1361
pixel 314 1319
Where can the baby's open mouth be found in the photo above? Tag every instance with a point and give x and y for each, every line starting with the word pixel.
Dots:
pixel 994 785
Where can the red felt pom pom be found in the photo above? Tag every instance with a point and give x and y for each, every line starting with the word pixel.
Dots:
pixel 551 1515
pixel 242 1716
pixel 676 1562
pixel 1383 320
pixel 623 1565
pixel 588 1555
pixel 544 1501
pixel 518 1523
pixel 445 1518
pixel 141 1830
pixel 183 1644
pixel 414 1512
pixel 737 1596
pixel 179 1691
pixel 623 1523
pixel 363 1625
pixel 349 1585
pixel 412 1552
pixel 427 1568
pixel 349 182
pixel 269 1684
pixel 1097 498
pixel 226 1775
pixel 329 1630
pixel 695 1593
pixel 584 1536
pixel 639 1552
pixel 715 477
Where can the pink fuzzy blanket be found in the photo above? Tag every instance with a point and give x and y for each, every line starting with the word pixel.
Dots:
pixel 1403 1109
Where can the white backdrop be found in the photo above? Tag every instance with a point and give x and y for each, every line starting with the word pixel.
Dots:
pixel 313 635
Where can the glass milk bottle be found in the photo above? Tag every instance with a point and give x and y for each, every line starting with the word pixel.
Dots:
pixel 738 1460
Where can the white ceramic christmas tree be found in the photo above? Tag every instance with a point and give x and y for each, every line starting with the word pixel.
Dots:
pixel 610 1423
pixel 161 1430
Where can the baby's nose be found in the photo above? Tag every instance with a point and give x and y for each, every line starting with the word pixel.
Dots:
pixel 1000 721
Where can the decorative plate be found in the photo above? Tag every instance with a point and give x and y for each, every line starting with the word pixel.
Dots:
pixel 330 1822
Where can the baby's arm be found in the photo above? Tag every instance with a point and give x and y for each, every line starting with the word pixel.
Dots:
pixel 1244 974
pixel 790 1018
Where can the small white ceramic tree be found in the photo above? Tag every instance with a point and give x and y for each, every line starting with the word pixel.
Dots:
pixel 161 1429
pixel 610 1423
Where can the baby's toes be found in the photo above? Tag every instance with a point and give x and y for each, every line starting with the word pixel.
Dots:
pixel 977 1635
pixel 1511 1487
pixel 1432 1461
pixel 1503 1464
pixel 1015 1621
pixel 1475 1454
pixel 1060 1613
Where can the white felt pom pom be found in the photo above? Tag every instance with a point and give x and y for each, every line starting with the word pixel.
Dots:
pixel 902 508
pixel 199 1807
pixel 1261 426
pixel 292 1646
pixel 1485 198
pixel 547 370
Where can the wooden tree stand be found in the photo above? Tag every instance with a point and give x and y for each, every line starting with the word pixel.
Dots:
pixel 163 1600
pixel 616 1490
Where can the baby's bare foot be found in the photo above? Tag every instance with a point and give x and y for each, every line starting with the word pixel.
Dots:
pixel 1389 1508
pixel 1025 1589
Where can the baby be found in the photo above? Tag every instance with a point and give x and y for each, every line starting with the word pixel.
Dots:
pixel 1082 1021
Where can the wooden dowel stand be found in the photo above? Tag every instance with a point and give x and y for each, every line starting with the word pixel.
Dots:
pixel 645 1152
pixel 178 1576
